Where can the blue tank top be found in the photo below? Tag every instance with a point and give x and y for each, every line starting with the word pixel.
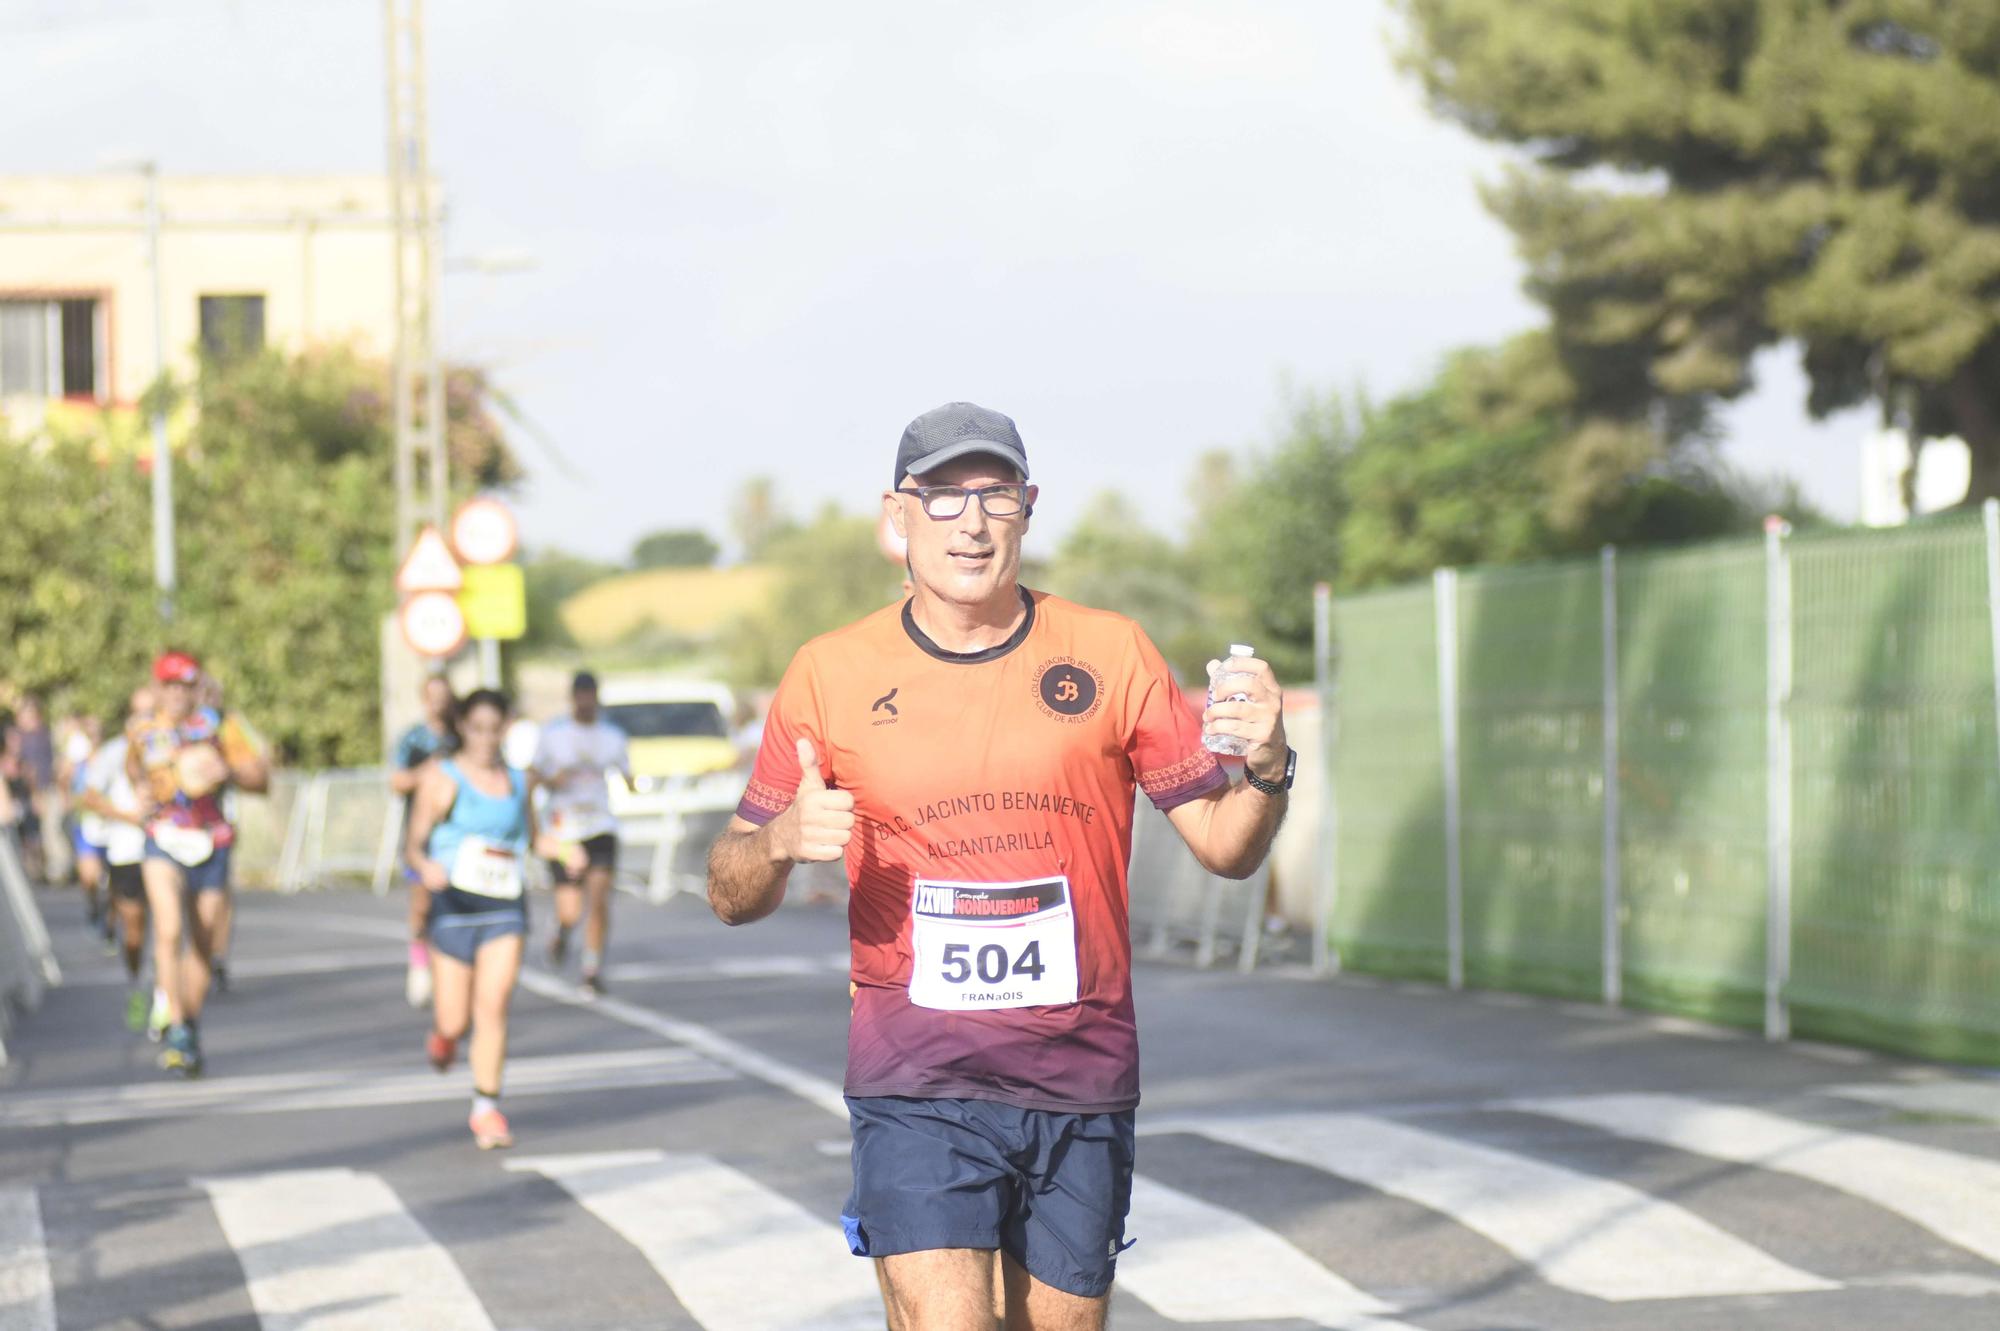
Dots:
pixel 502 819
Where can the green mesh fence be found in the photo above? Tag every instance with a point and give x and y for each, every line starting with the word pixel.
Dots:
pixel 1691 780
pixel 1896 796
pixel 1895 784
pixel 1389 914
pixel 1531 765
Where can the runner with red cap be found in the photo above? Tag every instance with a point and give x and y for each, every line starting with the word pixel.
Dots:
pixel 183 757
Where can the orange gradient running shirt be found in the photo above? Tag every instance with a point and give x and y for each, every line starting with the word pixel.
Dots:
pixel 993 790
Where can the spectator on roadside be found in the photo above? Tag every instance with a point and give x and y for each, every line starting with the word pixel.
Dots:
pixel 35 749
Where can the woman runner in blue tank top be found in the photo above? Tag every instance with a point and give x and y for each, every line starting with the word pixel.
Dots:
pixel 471 831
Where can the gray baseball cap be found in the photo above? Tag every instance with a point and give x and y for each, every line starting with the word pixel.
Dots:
pixel 956 430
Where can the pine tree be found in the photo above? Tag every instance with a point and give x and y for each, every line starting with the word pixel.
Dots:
pixel 1711 177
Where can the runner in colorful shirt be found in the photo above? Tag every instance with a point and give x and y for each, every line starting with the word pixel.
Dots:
pixel 117 817
pixel 973 754
pixel 183 758
pixel 470 834
pixel 572 755
pixel 436 736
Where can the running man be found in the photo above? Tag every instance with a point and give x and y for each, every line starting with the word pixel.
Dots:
pixel 118 814
pixel 471 831
pixel 973 754
pixel 184 757
pixel 433 737
pixel 571 758
pixel 83 739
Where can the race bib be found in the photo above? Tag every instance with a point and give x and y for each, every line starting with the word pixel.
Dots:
pixel 188 846
pixel 992 945
pixel 486 868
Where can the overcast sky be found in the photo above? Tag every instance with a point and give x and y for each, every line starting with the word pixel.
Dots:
pixel 768 234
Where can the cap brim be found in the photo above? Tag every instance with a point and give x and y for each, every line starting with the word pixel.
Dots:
pixel 968 448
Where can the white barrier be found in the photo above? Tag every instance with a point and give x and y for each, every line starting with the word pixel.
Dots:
pixel 27 960
pixel 1177 903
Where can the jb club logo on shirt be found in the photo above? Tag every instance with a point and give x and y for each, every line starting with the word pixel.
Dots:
pixel 1068 689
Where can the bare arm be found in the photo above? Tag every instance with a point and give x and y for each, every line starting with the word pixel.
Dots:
pixel 435 793
pixel 748 865
pixel 1230 832
pixel 404 781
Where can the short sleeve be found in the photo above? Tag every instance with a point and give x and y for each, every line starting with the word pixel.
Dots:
pixel 1163 734
pixel 543 760
pixel 621 750
pixel 795 714
pixel 405 756
pixel 238 741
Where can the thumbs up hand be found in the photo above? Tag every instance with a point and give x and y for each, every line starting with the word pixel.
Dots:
pixel 820 822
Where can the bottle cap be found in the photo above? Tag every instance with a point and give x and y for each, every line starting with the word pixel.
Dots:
pixel 1241 649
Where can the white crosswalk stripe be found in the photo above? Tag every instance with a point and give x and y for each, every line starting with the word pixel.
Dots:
pixel 1198 1262
pixel 1592 1235
pixel 738 1256
pixel 27 1294
pixel 1953 1195
pixel 344 1088
pixel 1956 1099
pixel 334 1250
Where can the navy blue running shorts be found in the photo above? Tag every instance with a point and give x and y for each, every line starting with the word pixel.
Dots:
pixel 1049 1189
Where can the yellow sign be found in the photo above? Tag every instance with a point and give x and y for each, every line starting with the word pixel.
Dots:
pixel 495 601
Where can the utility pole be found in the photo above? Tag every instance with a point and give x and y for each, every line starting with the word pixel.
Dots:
pixel 419 429
pixel 163 456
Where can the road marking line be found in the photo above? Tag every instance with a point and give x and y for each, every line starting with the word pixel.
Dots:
pixel 730 968
pixel 739 1057
pixel 341 1089
pixel 1955 1196
pixel 268 967
pixel 27 1291
pixel 1589 1234
pixel 334 1250
pixel 1197 1262
pixel 1956 1099
pixel 738 1256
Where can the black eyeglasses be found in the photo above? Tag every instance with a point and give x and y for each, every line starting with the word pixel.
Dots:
pixel 944 502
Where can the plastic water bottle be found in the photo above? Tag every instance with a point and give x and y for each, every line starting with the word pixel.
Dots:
pixel 1224 685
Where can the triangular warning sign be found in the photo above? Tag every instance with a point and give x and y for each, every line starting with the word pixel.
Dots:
pixel 429 566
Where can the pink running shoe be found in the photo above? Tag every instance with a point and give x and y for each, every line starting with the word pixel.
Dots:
pixel 489 1130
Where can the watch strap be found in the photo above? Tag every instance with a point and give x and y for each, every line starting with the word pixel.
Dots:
pixel 1275 787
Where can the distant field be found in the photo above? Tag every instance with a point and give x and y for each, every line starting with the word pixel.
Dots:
pixel 687 602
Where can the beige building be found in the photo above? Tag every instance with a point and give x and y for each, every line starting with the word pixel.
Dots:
pixel 245 261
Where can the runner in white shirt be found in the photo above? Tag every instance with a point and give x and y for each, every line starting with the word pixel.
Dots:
pixel 571 759
pixel 117 814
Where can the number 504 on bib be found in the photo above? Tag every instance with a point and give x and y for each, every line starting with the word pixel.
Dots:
pixel 992 945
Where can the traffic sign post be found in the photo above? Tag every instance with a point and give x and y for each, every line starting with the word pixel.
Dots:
pixel 483 531
pixel 433 624
pixel 429 567
pixel 495 601
pixel 492 594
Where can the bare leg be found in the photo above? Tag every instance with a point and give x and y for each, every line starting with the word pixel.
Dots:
pixel 945 1289
pixel 1033 1306
pixel 163 894
pixel 569 903
pixel 498 965
pixel 132 915
pixel 212 912
pixel 90 877
pixel 597 929
pixel 451 995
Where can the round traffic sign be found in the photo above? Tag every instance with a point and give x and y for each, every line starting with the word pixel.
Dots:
pixel 484 532
pixel 433 624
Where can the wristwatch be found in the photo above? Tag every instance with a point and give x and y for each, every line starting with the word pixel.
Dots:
pixel 1275 787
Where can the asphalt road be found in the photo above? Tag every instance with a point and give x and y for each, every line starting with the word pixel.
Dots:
pixel 1313 1154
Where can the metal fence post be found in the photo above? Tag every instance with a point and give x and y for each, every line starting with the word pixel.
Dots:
pixel 1614 955
pixel 1778 778
pixel 1444 588
pixel 1326 895
pixel 1990 510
